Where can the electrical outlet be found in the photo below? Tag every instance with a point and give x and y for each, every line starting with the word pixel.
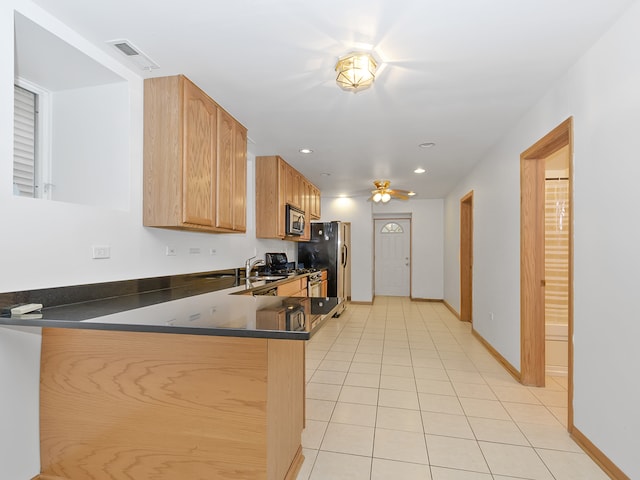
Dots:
pixel 170 251
pixel 212 251
pixel 194 250
pixel 101 251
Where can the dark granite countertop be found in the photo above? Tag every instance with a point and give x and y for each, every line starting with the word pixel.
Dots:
pixel 203 304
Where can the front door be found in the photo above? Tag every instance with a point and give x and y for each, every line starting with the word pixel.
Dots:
pixel 393 257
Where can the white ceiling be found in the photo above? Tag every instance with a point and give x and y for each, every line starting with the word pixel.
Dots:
pixel 455 72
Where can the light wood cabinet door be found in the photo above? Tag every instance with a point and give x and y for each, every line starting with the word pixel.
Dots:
pixel 297 190
pixel 199 156
pixel 306 206
pixel 240 178
pixel 311 200
pixel 270 197
pixel 290 186
pixel 315 203
pixel 224 187
pixel 289 289
pixel 280 215
pixel 231 188
pixel 271 319
pixel 294 288
pixel 293 188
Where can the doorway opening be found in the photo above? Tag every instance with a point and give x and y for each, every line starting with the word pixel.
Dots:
pixel 534 272
pixel 392 257
pixel 556 260
pixel 466 257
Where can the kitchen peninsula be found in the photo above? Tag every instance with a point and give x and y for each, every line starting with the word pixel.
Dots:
pixel 174 384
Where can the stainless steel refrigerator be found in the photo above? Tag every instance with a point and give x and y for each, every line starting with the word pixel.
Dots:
pixel 330 248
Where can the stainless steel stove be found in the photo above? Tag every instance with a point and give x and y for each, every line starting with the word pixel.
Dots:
pixel 278 264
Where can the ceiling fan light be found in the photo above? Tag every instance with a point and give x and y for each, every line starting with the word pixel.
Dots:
pixel 385 197
pixel 356 71
pixel 377 197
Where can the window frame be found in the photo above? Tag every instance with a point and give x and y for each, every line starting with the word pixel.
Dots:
pixel 42 138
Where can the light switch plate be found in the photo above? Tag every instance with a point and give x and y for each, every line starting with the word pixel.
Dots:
pixel 101 251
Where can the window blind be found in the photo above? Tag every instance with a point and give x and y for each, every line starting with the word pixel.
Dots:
pixel 24 142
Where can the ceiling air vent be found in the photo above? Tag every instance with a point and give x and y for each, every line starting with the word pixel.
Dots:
pixel 133 53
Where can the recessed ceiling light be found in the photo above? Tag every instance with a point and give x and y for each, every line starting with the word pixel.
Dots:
pixel 305 150
pixel 325 174
pixel 427 145
pixel 419 170
pixel 411 194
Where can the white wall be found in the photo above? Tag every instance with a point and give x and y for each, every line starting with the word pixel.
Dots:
pixel 90 146
pixel 357 211
pixel 427 248
pixel 602 93
pixel 427 242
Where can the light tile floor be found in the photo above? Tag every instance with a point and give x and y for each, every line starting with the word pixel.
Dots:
pixel 402 390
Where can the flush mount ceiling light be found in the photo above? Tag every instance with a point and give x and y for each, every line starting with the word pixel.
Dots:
pixel 305 150
pixel 419 170
pixel 427 145
pixel 356 71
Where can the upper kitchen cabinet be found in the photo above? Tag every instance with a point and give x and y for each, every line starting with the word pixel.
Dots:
pixel 314 205
pixel 194 160
pixel 279 184
pixel 271 196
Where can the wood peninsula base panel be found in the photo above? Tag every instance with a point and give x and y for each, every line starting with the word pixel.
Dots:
pixel 133 405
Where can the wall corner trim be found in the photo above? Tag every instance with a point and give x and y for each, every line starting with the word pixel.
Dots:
pixel 597 455
pixel 503 361
pixel 451 309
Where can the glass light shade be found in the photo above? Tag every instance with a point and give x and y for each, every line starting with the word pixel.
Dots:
pixel 356 71
pixel 385 197
pixel 377 197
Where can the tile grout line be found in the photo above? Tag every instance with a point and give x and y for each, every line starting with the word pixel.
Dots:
pixel 418 321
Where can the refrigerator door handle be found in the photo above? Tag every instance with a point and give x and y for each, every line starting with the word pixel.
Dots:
pixel 345 254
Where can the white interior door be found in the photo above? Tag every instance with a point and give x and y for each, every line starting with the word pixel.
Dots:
pixel 392 257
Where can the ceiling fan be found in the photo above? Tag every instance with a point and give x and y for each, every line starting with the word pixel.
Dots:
pixel 383 193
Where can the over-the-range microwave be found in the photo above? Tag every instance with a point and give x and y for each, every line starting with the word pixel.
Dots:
pixel 295 221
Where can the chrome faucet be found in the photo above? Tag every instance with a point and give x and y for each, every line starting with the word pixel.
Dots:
pixel 249 265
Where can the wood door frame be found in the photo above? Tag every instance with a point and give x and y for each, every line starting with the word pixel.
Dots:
pixel 466 257
pixel 393 217
pixel 532 272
